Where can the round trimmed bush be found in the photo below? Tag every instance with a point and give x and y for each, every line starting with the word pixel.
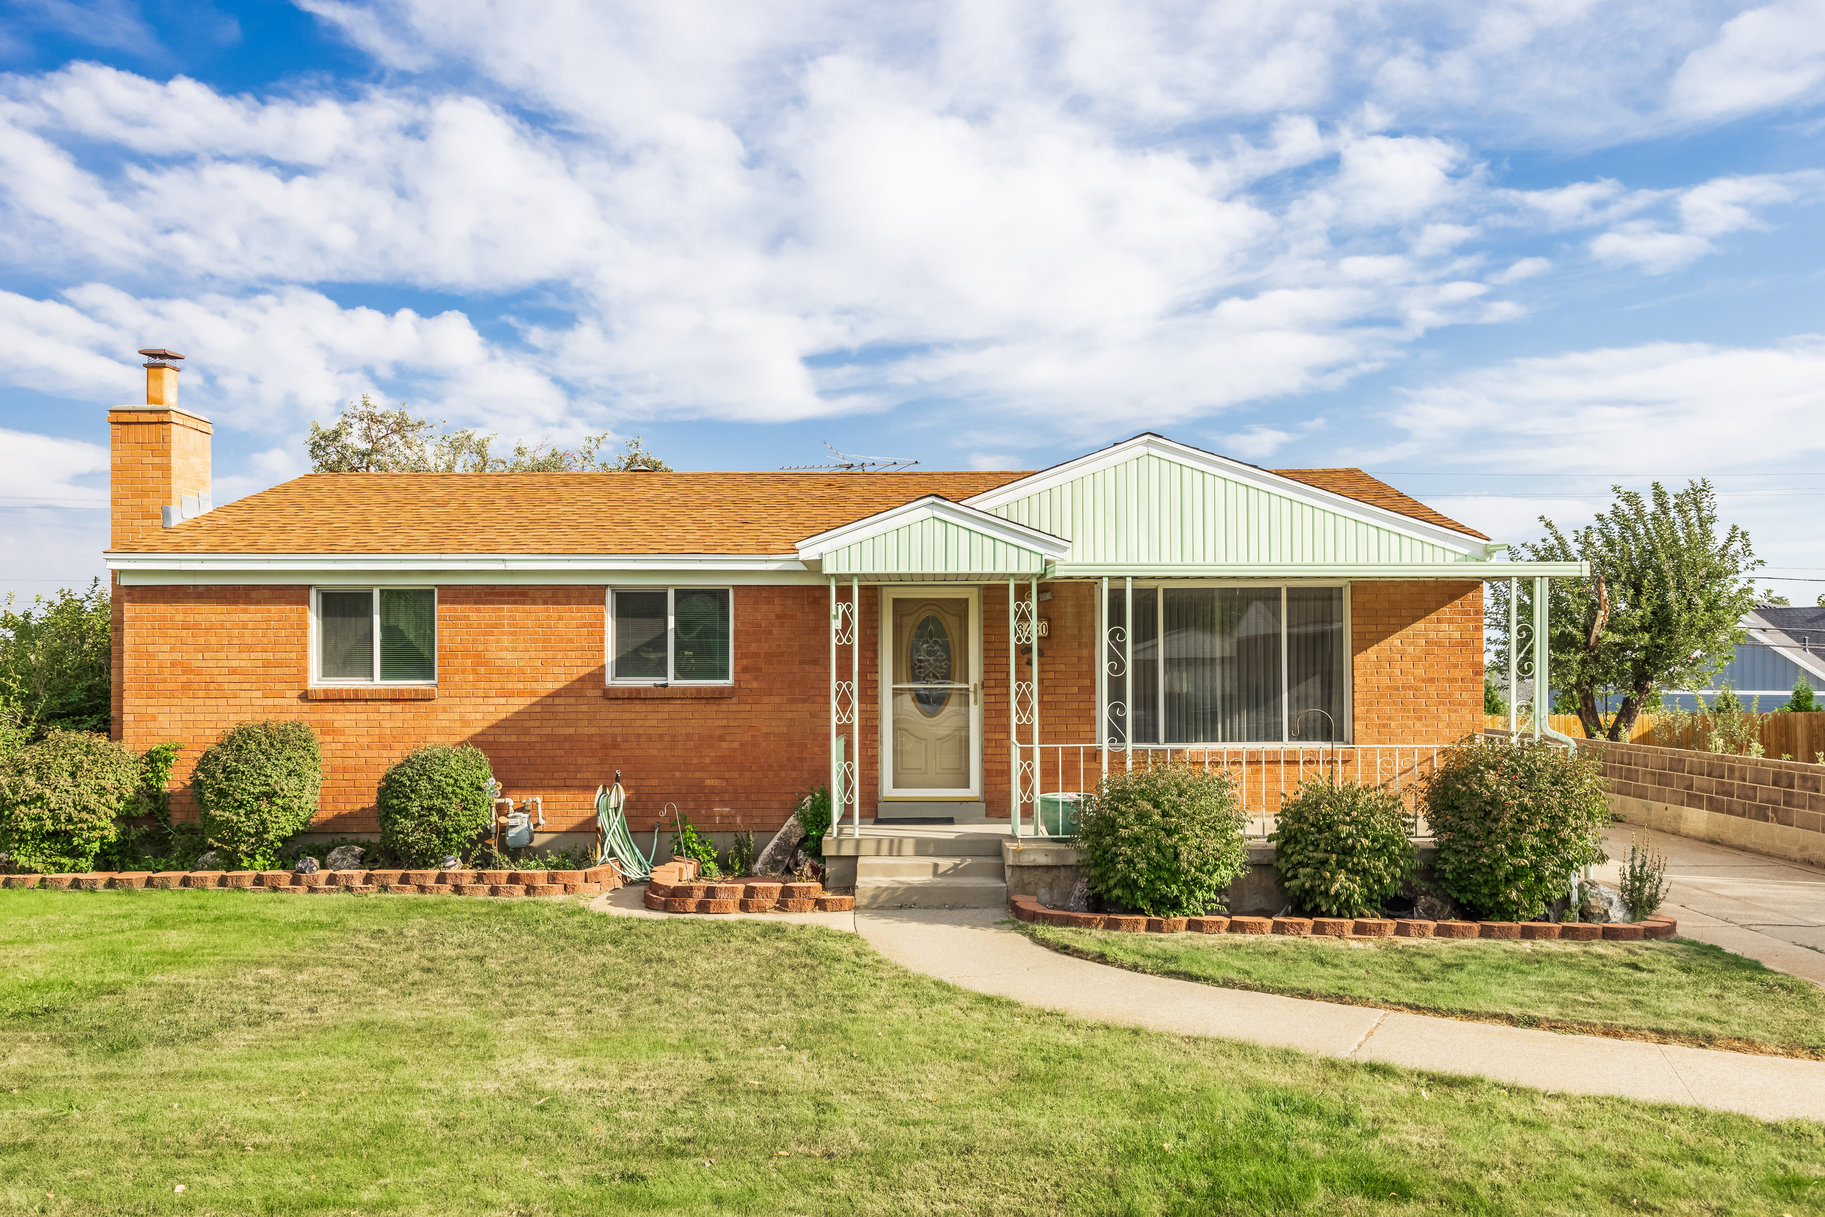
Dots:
pixel 257 786
pixel 435 801
pixel 1514 824
pixel 60 799
pixel 1342 848
pixel 1163 841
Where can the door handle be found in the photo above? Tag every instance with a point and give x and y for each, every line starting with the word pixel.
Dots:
pixel 976 694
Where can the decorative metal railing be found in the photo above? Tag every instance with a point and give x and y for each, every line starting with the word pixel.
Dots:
pixel 1264 774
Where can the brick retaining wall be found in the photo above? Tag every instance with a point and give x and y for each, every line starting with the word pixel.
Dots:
pixel 1768 806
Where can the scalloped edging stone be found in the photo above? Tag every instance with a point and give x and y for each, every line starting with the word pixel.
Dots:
pixel 357 882
pixel 1658 926
pixel 676 887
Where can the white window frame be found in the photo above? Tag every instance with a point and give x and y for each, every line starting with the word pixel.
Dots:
pixel 316 658
pixel 671 637
pixel 1159 608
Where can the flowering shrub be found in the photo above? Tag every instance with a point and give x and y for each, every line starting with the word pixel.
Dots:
pixel 1514 823
pixel 1164 841
pixel 1342 848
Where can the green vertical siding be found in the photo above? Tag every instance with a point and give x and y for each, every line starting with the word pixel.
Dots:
pixel 933 547
pixel 1155 511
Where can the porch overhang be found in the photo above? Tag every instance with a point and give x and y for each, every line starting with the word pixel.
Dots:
pixel 1468 570
pixel 933 538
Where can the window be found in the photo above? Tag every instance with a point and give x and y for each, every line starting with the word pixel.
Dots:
pixel 369 635
pixel 676 635
pixel 1222 665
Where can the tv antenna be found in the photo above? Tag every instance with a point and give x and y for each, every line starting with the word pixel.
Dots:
pixel 849 462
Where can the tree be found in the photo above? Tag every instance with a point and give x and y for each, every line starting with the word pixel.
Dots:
pixel 1661 608
pixel 1803 701
pixel 367 438
pixel 55 664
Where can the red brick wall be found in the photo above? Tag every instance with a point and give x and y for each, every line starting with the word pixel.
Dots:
pixel 1418 658
pixel 521 677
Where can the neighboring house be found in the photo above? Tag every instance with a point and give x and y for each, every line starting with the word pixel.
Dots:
pixel 1781 646
pixel 937 645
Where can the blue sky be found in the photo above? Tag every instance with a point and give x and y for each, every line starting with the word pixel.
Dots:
pixel 1501 254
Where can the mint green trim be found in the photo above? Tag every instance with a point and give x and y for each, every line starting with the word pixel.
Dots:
pixel 933 547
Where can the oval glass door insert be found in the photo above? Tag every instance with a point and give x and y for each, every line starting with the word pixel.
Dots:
pixel 929 663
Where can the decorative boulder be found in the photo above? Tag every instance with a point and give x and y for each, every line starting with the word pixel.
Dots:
pixel 307 866
pixel 345 857
pixel 450 862
pixel 209 859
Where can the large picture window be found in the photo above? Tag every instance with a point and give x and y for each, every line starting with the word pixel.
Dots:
pixel 376 635
pixel 669 635
pixel 1227 665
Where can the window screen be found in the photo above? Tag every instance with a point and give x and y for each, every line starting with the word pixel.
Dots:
pixel 402 619
pixel 345 635
pixel 675 634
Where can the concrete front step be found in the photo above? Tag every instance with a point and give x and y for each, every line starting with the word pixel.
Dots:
pixel 909 841
pixel 946 893
pixel 928 867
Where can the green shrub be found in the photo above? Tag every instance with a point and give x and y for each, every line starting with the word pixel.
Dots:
pixel 687 842
pixel 1514 823
pixel 434 802
pixel 1342 849
pixel 813 814
pixel 1164 841
pixel 1643 883
pixel 255 787
pixel 60 799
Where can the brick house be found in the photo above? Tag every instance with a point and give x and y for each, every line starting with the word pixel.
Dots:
pixel 936 646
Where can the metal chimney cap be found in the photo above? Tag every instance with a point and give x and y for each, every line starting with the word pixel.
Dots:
pixel 158 357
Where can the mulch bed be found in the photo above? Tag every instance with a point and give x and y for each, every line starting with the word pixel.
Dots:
pixel 1028 908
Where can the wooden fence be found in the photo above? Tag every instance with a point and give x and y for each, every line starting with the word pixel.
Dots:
pixel 1798 737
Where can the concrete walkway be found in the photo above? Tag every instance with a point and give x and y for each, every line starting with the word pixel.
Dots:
pixel 969 948
pixel 1767 909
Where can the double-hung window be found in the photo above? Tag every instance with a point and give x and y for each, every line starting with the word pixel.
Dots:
pixel 1227 665
pixel 669 636
pixel 375 635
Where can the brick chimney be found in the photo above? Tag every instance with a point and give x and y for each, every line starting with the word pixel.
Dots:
pixel 159 459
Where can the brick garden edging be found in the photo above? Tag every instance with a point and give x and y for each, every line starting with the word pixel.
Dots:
pixel 1028 908
pixel 675 888
pixel 589 882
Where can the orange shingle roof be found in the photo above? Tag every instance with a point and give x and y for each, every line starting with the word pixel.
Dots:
pixel 1355 484
pixel 603 513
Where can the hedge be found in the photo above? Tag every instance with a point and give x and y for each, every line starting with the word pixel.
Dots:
pixel 434 802
pixel 60 799
pixel 256 787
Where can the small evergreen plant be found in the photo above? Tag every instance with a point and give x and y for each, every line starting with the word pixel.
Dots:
pixel 1164 841
pixel 1514 822
pixel 435 802
pixel 1342 848
pixel 257 786
pixel 1643 883
pixel 62 797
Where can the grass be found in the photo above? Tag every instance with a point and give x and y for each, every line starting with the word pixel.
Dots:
pixel 371 1055
pixel 1675 991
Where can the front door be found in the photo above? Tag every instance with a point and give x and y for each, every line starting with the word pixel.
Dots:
pixel 932 712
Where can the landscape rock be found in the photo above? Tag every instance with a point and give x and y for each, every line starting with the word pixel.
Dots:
pixel 1600 903
pixel 306 866
pixel 345 857
pixel 1430 907
pixel 777 857
pixel 1080 896
pixel 209 859
pixel 450 862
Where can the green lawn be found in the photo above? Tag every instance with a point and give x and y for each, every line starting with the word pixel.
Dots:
pixel 338 1054
pixel 1676 990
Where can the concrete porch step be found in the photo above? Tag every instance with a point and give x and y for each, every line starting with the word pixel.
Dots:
pixel 927 867
pixel 934 840
pixel 944 893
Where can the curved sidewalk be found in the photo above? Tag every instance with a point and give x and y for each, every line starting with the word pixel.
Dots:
pixel 969 948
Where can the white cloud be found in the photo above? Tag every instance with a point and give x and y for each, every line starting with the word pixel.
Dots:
pixel 1700 216
pixel 1765 58
pixel 41 471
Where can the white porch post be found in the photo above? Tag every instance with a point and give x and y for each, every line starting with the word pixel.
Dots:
pixel 1543 704
pixel 1514 643
pixel 1128 668
pixel 855 699
pixel 1102 672
pixel 837 795
pixel 1038 761
pixel 1013 718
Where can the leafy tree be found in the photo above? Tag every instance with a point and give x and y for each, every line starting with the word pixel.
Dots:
pixel 1661 608
pixel 55 664
pixel 367 438
pixel 1493 701
pixel 1803 700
